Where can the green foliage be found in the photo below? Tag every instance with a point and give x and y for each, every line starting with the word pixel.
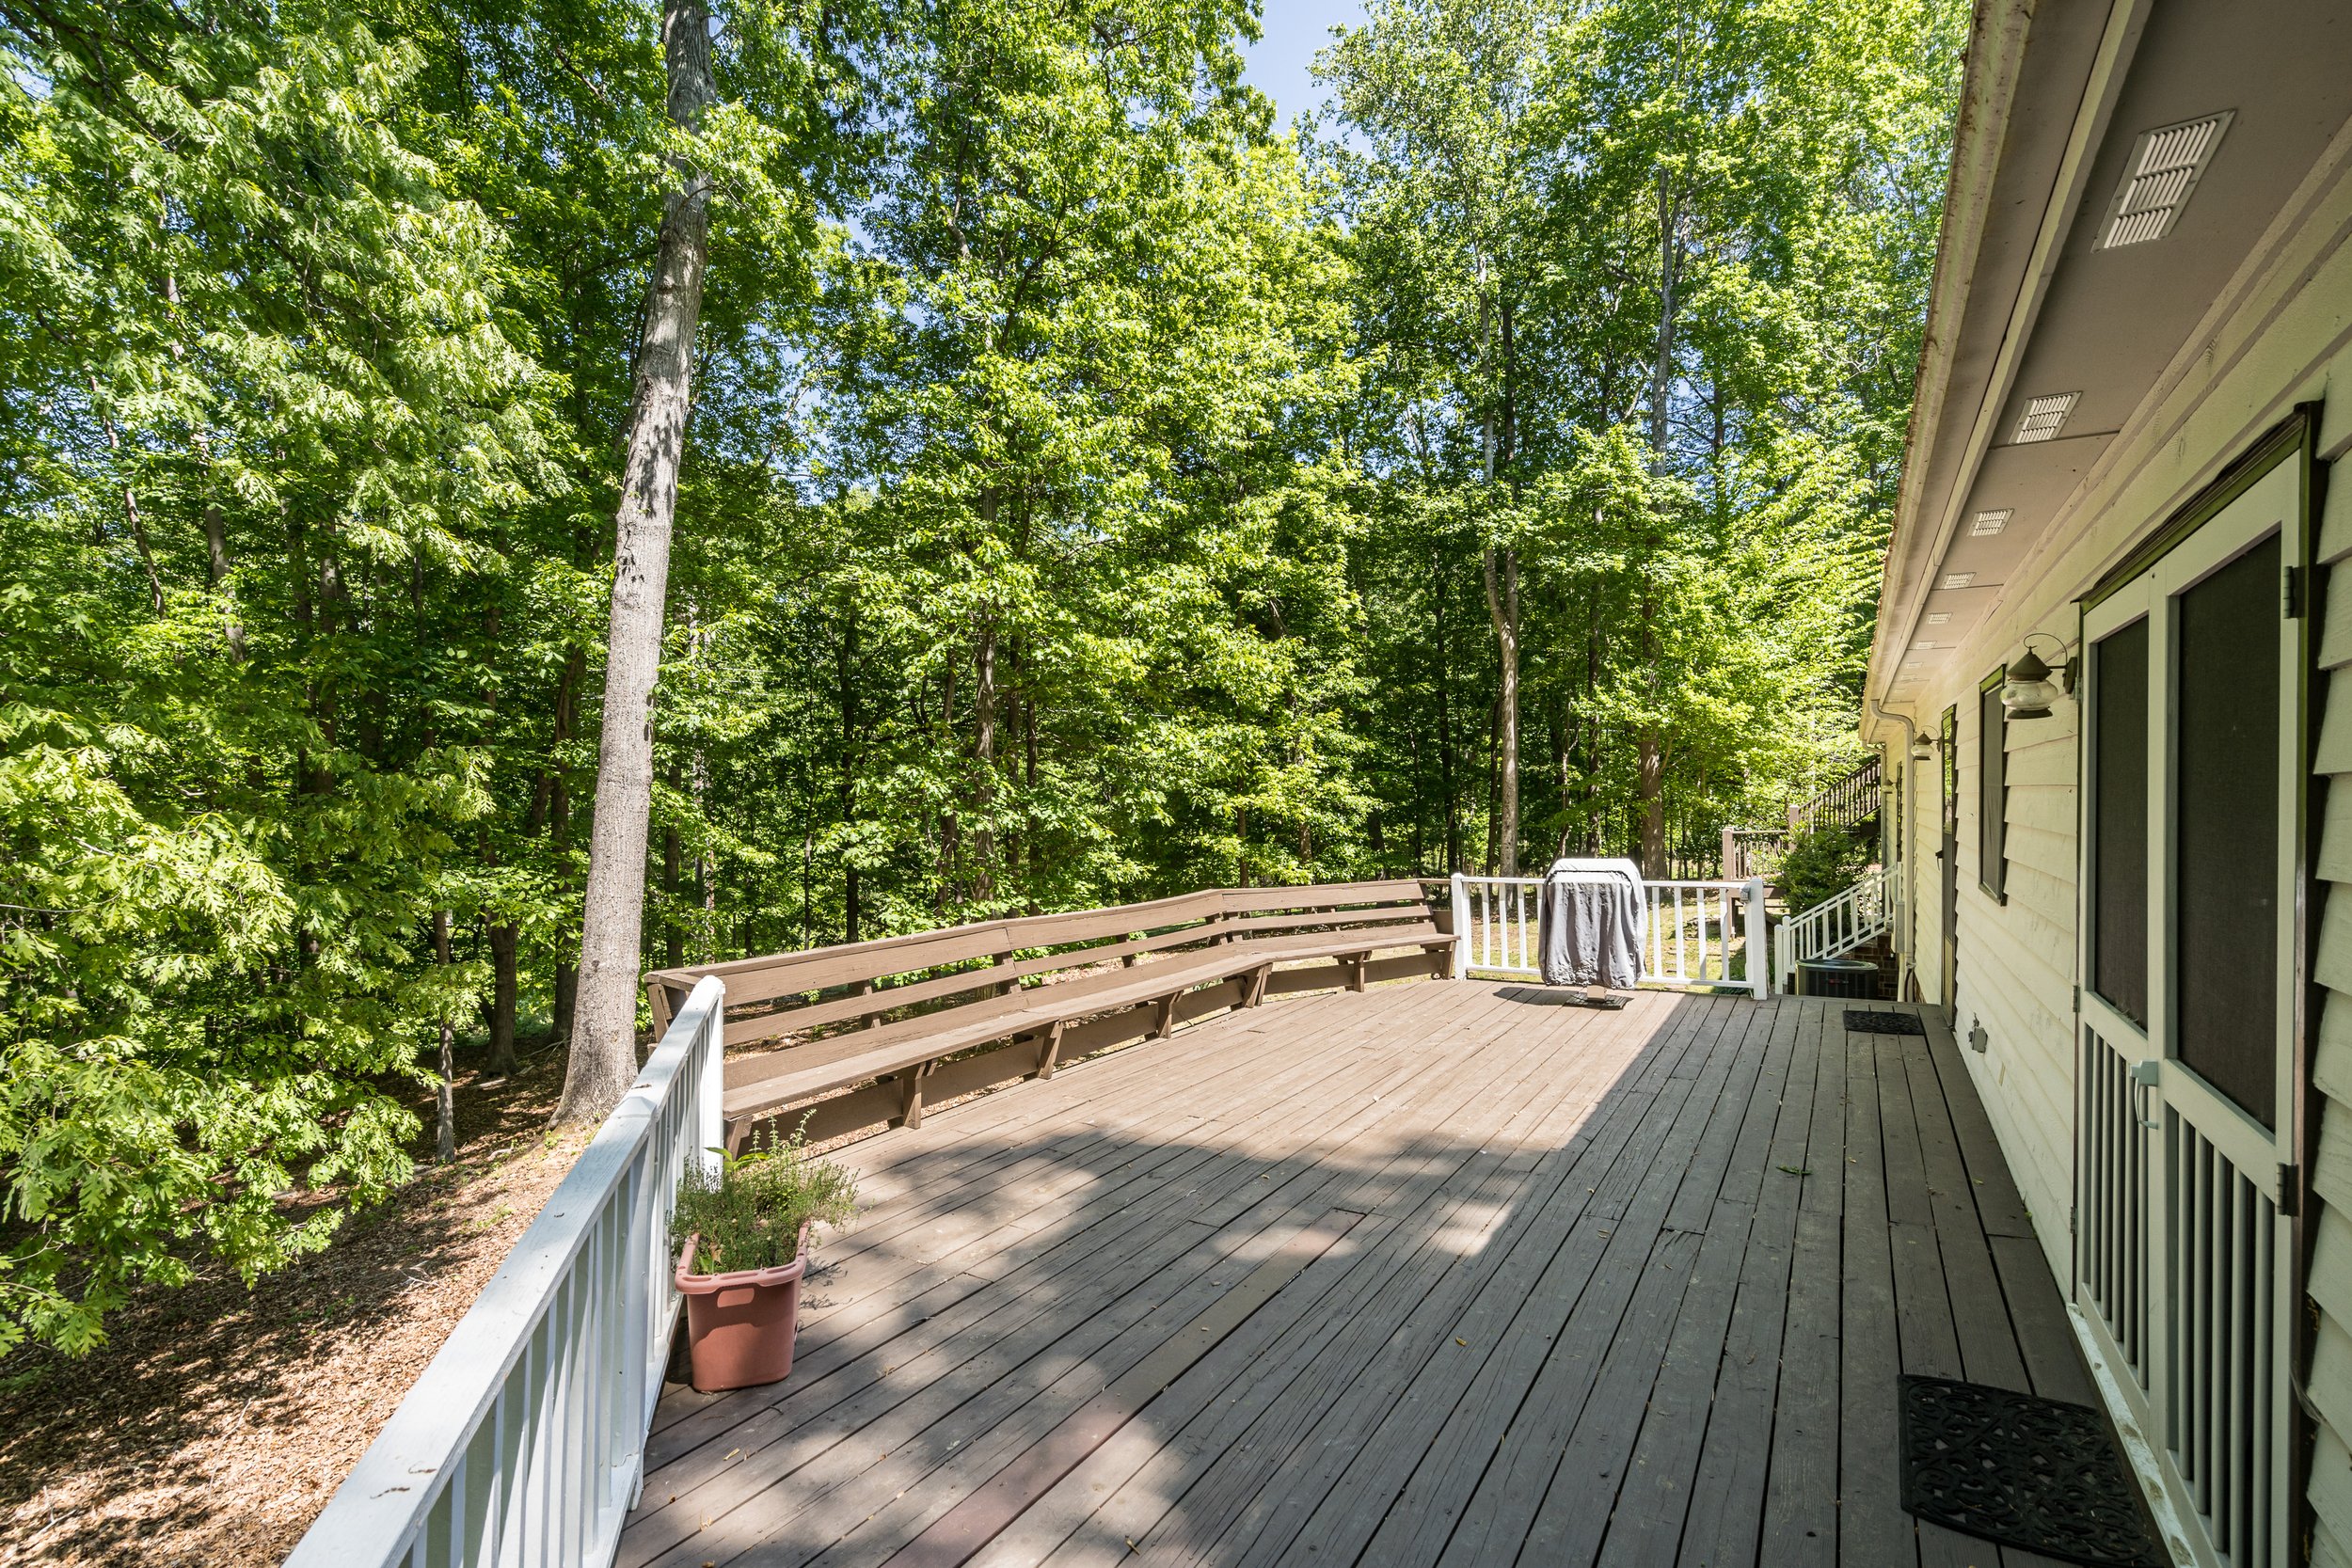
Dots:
pixel 257 392
pixel 747 1213
pixel 1821 863
pixel 1087 497
pixel 1694 480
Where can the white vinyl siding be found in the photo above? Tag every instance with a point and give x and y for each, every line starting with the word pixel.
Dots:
pixel 2016 963
pixel 2329 1286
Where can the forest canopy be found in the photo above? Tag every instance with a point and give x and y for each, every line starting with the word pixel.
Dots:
pixel 1092 491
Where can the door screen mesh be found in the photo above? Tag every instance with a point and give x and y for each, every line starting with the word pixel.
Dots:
pixel 2119 888
pixel 2227 833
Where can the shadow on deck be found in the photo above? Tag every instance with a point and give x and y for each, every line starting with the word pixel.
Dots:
pixel 1432 1273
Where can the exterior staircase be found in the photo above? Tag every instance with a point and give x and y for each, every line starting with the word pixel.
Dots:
pixel 1846 803
pixel 1858 922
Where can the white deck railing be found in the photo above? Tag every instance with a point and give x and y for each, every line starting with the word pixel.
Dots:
pixel 524 1441
pixel 1836 927
pixel 1690 932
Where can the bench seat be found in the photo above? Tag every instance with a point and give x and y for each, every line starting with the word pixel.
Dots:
pixel 763 1083
pixel 1099 966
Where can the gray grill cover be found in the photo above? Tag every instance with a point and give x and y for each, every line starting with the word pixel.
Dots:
pixel 1592 925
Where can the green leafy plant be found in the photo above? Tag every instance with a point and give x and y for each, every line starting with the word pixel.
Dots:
pixel 747 1213
pixel 1820 864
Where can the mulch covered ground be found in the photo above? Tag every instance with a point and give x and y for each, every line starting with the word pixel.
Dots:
pixel 215 1422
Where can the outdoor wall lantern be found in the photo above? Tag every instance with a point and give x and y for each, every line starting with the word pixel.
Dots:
pixel 1923 748
pixel 2028 691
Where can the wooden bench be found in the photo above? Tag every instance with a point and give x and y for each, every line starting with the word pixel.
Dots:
pixel 904 1019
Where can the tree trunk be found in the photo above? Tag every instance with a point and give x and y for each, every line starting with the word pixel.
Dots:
pixel 217 575
pixel 1651 744
pixel 673 953
pixel 984 754
pixel 566 1000
pixel 1651 761
pixel 566 987
pixel 1029 834
pixel 1494 802
pixel 1445 736
pixel 445 1093
pixel 504 941
pixel 844 672
pixel 604 1045
pixel 1503 606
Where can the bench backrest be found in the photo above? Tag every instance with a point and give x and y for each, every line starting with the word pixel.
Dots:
pixel 785 994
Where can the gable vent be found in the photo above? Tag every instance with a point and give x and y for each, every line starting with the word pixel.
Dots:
pixel 1988 522
pixel 2044 416
pixel 2165 166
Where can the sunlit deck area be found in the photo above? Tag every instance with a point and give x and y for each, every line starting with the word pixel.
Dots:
pixel 1432 1272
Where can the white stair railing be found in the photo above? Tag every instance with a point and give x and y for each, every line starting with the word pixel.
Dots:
pixel 524 1441
pixel 1690 932
pixel 1838 926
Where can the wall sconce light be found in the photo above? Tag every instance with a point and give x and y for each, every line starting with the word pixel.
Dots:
pixel 1923 748
pixel 2029 691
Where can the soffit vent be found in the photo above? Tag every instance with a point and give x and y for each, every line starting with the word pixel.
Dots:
pixel 2044 416
pixel 2165 166
pixel 1990 522
pixel 1958 579
pixel 1938 620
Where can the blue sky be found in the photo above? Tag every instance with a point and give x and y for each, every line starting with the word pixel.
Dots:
pixel 1281 64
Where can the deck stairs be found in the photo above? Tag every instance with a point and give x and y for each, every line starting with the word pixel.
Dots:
pixel 1858 923
pixel 1849 801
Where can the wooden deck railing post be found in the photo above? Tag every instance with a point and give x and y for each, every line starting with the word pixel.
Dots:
pixel 1759 959
pixel 710 1115
pixel 1461 928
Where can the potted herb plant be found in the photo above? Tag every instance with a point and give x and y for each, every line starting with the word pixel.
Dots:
pixel 746 1226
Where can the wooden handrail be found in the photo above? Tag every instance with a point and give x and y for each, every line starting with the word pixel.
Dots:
pixel 1844 803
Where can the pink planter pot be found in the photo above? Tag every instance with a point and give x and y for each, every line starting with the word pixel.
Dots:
pixel 739 1325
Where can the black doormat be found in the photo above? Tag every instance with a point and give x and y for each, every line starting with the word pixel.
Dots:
pixel 1860 1021
pixel 2034 1473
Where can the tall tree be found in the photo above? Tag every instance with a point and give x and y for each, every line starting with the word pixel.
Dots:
pixel 603 1056
pixel 1447 96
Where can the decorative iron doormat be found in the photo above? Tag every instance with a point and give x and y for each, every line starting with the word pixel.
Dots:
pixel 1862 1022
pixel 2033 1473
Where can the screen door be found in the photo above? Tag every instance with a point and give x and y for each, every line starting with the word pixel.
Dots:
pixel 2191 763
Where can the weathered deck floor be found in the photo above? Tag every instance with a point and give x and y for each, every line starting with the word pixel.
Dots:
pixel 1434 1274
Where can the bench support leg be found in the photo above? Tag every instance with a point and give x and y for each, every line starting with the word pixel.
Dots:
pixel 1355 962
pixel 1164 1022
pixel 911 1095
pixel 1258 978
pixel 1051 1051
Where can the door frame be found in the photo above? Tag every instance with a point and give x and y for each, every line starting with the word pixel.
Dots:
pixel 1947 858
pixel 2177 557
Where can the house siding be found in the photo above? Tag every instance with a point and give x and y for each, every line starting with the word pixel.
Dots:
pixel 2015 976
pixel 2285 337
pixel 2328 1286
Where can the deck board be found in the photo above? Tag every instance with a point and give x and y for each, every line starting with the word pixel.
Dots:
pixel 1438 1272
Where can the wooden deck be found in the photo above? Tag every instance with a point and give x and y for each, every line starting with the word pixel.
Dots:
pixel 1440 1272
